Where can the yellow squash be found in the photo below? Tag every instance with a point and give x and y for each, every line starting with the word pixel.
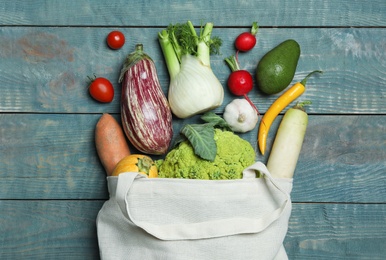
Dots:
pixel 136 163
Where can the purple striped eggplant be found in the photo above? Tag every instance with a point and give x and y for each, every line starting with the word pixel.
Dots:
pixel 145 112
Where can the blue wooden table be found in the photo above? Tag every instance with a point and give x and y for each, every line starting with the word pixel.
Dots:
pixel 52 184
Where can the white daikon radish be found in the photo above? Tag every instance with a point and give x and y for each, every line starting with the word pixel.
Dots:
pixel 288 143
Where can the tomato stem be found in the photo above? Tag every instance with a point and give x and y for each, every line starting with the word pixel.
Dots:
pixel 92 79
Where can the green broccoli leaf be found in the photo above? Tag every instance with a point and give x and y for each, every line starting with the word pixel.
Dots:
pixel 216 120
pixel 201 137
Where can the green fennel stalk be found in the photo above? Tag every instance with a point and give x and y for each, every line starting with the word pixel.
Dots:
pixel 182 39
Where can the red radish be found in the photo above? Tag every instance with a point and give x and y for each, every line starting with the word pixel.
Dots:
pixel 240 82
pixel 247 40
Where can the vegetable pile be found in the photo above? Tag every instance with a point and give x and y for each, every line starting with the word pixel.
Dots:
pixel 211 150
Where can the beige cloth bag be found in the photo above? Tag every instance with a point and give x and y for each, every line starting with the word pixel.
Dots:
pixel 150 218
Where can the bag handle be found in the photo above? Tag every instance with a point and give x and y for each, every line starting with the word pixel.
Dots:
pixel 207 229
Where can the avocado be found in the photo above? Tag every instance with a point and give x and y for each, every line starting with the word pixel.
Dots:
pixel 276 69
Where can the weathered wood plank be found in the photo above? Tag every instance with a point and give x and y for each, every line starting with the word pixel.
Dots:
pixel 66 230
pixel 46 69
pixel 52 156
pixel 48 229
pixel 337 231
pixel 225 13
pixel 341 158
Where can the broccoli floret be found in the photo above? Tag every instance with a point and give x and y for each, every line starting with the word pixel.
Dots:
pixel 234 154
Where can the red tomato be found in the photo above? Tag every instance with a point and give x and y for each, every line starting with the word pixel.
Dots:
pixel 240 82
pixel 115 40
pixel 102 90
pixel 245 41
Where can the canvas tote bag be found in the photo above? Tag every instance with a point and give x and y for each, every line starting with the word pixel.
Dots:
pixel 183 219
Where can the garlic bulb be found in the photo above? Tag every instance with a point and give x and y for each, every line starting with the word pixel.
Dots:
pixel 240 115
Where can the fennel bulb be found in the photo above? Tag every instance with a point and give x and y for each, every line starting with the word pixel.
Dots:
pixel 194 88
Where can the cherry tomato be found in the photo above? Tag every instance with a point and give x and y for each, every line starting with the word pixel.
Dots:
pixel 115 40
pixel 245 41
pixel 101 90
pixel 240 82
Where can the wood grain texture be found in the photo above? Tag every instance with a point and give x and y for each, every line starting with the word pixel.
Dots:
pixel 49 229
pixel 45 70
pixel 337 231
pixel 224 13
pixel 50 156
pixel 342 148
pixel 66 230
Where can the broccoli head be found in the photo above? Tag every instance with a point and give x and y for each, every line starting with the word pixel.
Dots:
pixel 234 154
